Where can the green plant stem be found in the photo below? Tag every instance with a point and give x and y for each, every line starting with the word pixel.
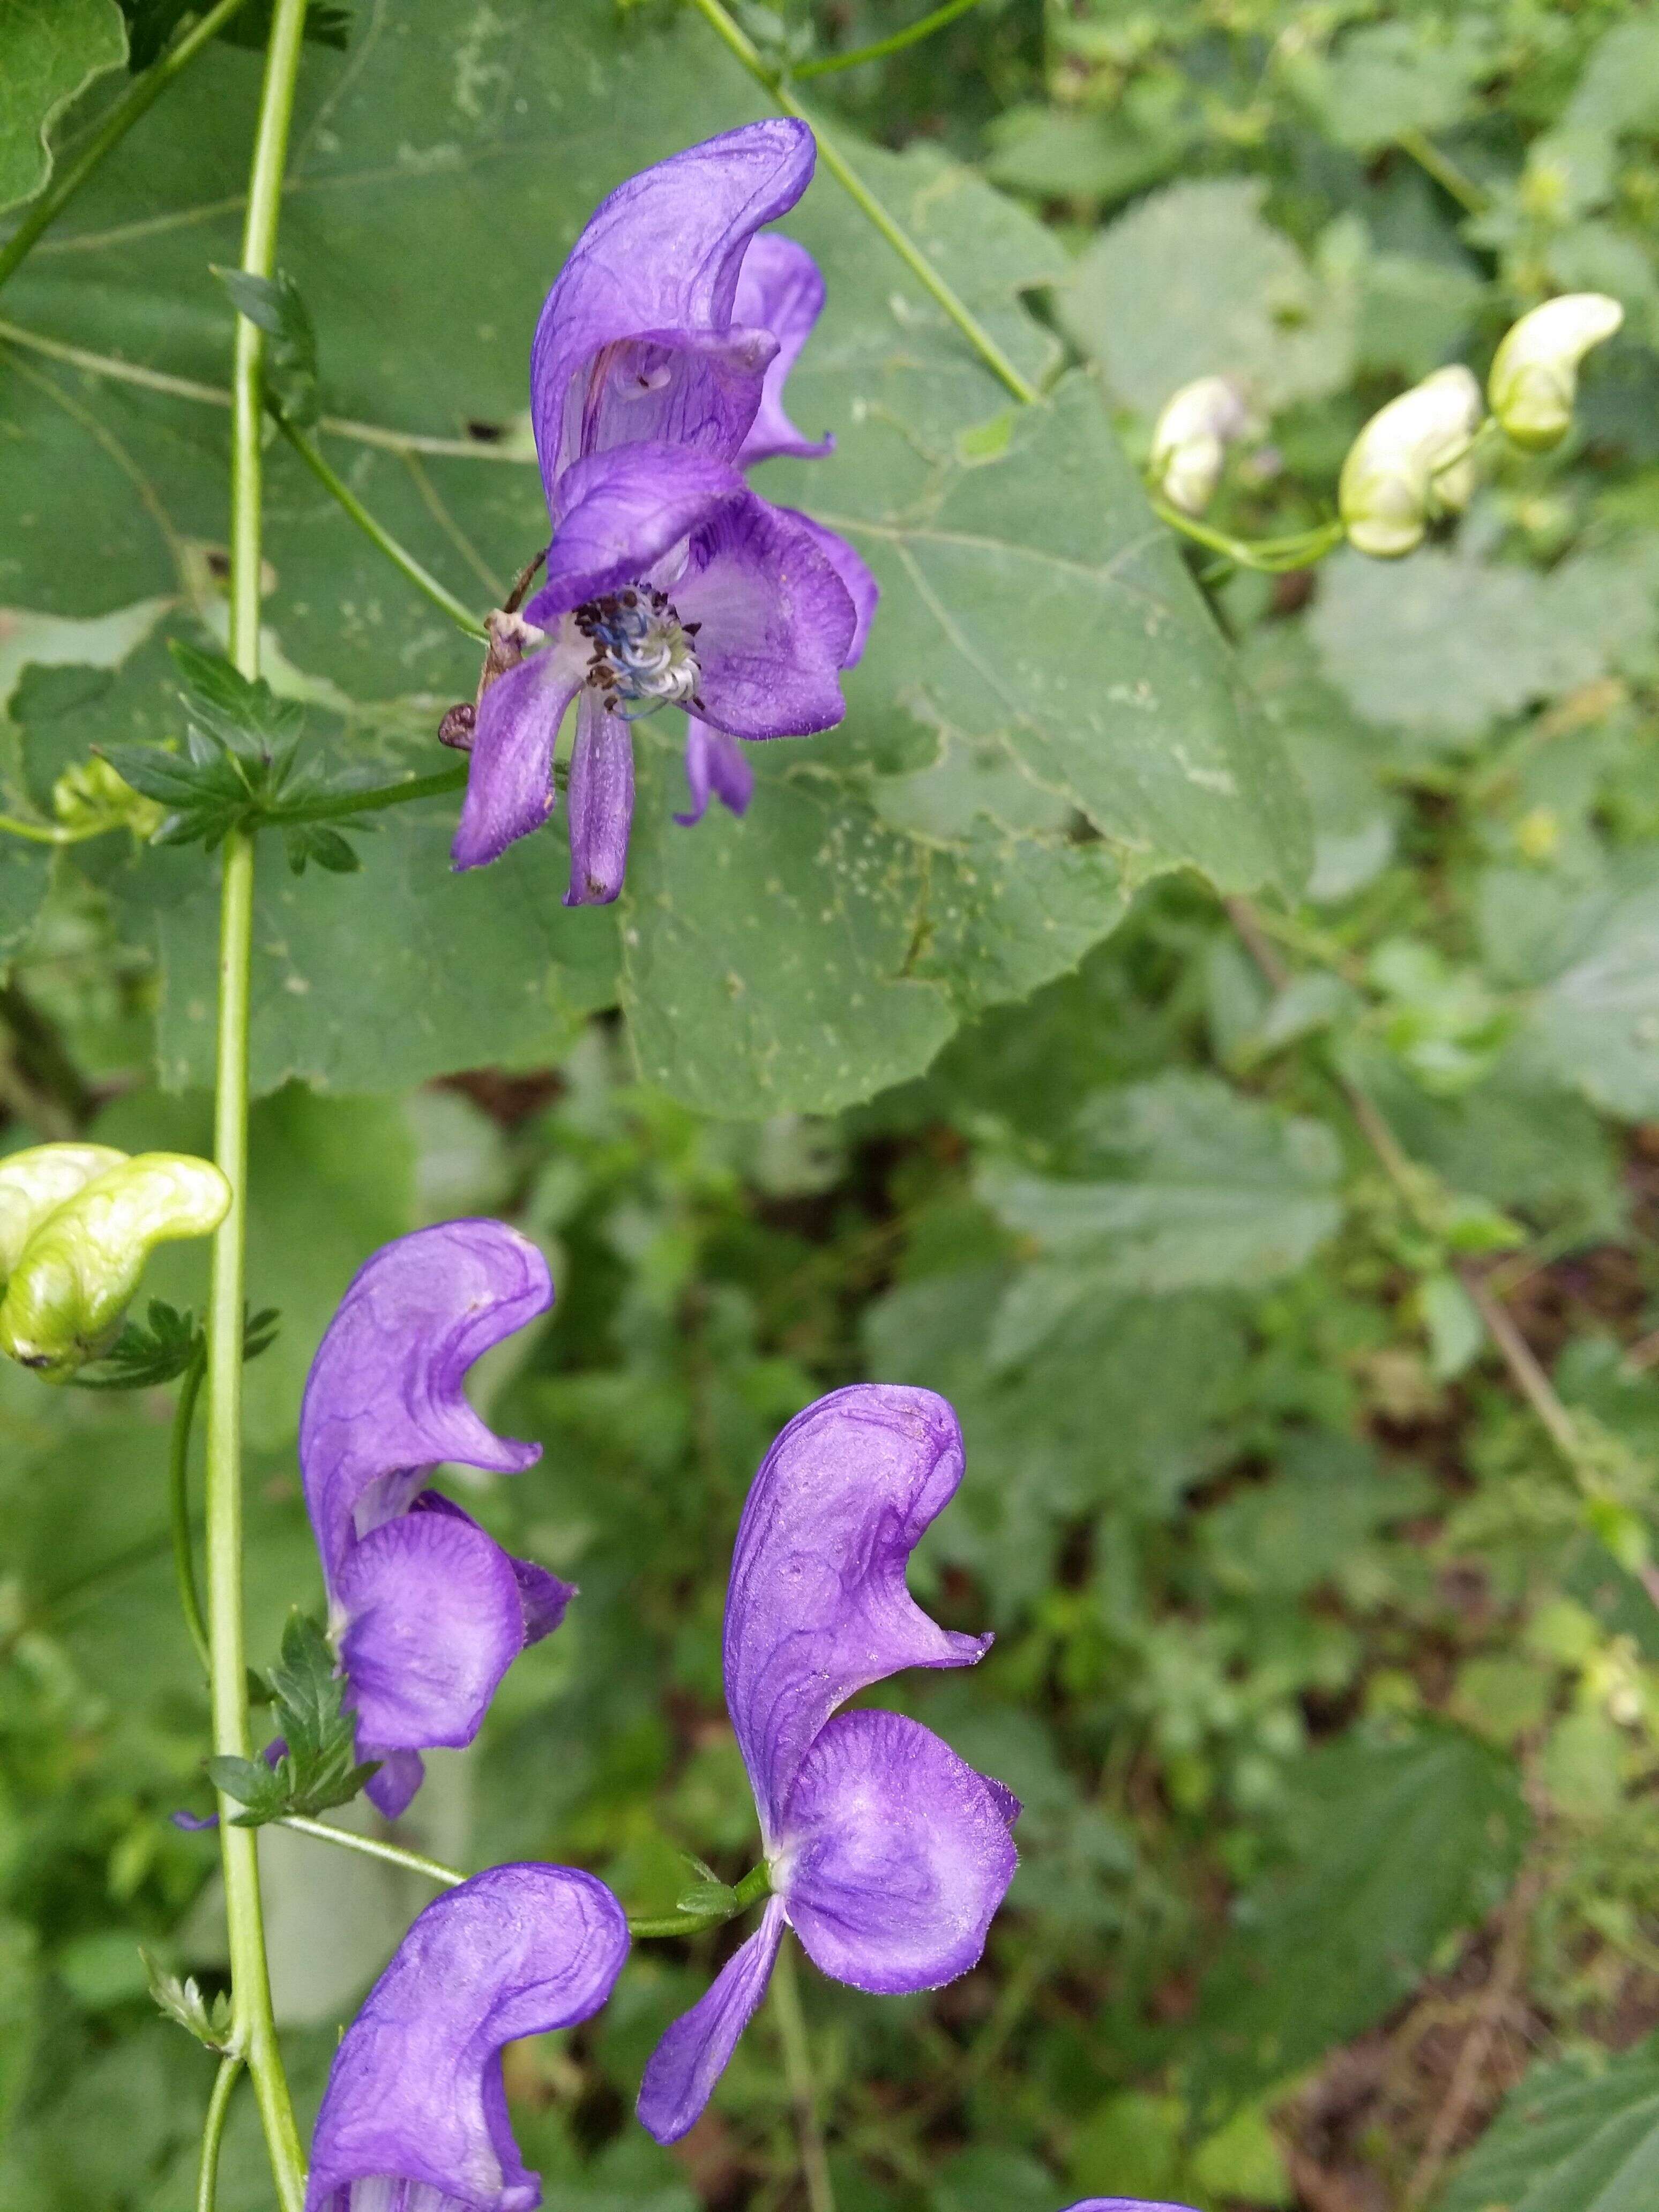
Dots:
pixel 1452 180
pixel 255 2027
pixel 911 36
pixel 754 1886
pixel 1271 556
pixel 51 832
pixel 1412 1184
pixel 183 1545
pixel 139 98
pixel 379 535
pixel 370 1847
pixel 339 806
pixel 213 2129
pixel 798 2071
pixel 866 201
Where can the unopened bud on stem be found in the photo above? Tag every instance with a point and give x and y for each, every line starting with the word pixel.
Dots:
pixel 1535 372
pixel 80 1258
pixel 1410 464
pixel 1190 440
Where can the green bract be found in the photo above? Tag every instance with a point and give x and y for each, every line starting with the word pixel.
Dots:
pixel 1535 372
pixel 89 1218
pixel 1410 464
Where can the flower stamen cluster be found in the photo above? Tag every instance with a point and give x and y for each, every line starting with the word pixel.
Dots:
pixel 643 657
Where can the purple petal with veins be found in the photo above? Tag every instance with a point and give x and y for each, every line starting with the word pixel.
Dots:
pixel 414 2117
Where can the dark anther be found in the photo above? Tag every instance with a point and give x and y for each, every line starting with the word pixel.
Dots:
pixel 456 727
pixel 691 628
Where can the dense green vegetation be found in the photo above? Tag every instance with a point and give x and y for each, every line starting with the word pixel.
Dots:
pixel 1247 1114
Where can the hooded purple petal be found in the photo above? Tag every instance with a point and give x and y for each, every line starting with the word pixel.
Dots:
pixel 682 2071
pixel 543 1597
pixel 777 623
pixel 383 1403
pixel 780 291
pixel 509 777
pixel 432 1622
pixel 861 587
pixel 714 768
pixel 660 259
pixel 894 1855
pixel 616 514
pixel 414 2094
pixel 1124 2204
pixel 818 1607
pixel 601 801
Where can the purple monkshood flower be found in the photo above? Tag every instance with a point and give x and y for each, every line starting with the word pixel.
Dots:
pixel 656 378
pixel 427 1611
pixel 887 1855
pixel 414 2118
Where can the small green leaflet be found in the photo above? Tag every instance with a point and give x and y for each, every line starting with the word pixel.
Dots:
pixel 319 1767
pixel 208 2020
pixel 289 378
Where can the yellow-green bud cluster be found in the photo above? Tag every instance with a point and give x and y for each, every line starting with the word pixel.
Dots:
pixel 1410 464
pixel 1413 461
pixel 1535 372
pixel 91 795
pixel 77 1223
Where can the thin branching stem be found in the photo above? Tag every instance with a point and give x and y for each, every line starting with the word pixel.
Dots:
pixel 803 2084
pixel 379 536
pixel 1456 183
pixel 183 1541
pixel 911 35
pixel 1413 1185
pixel 139 98
pixel 213 2130
pixel 1272 556
pixel 739 43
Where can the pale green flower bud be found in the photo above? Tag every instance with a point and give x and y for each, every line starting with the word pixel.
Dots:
pixel 91 795
pixel 1410 464
pixel 81 1264
pixel 1190 440
pixel 1535 372
pixel 35 1183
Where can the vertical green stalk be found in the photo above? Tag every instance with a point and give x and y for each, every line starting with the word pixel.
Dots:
pixel 256 2030
pixel 184 1549
pixel 213 2130
pixel 798 2071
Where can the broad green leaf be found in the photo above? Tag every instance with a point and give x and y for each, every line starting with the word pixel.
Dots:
pixel 1576 2136
pixel 1116 738
pixel 1442 644
pixel 1398 1846
pixel 50 50
pixel 1386 78
pixel 1333 753
pixel 1210 1189
pixel 1192 282
pixel 765 960
pixel 1594 1022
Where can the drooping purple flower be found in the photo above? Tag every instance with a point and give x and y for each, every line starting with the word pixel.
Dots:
pixel 1124 2204
pixel 887 1853
pixel 656 374
pixel 414 2118
pixel 426 1610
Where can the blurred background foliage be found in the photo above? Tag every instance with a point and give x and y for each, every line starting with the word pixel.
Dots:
pixel 1330 1682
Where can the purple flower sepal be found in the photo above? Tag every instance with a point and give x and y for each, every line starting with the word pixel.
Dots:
pixel 414 2118
pixel 426 1610
pixel 887 1853
pixel 656 374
